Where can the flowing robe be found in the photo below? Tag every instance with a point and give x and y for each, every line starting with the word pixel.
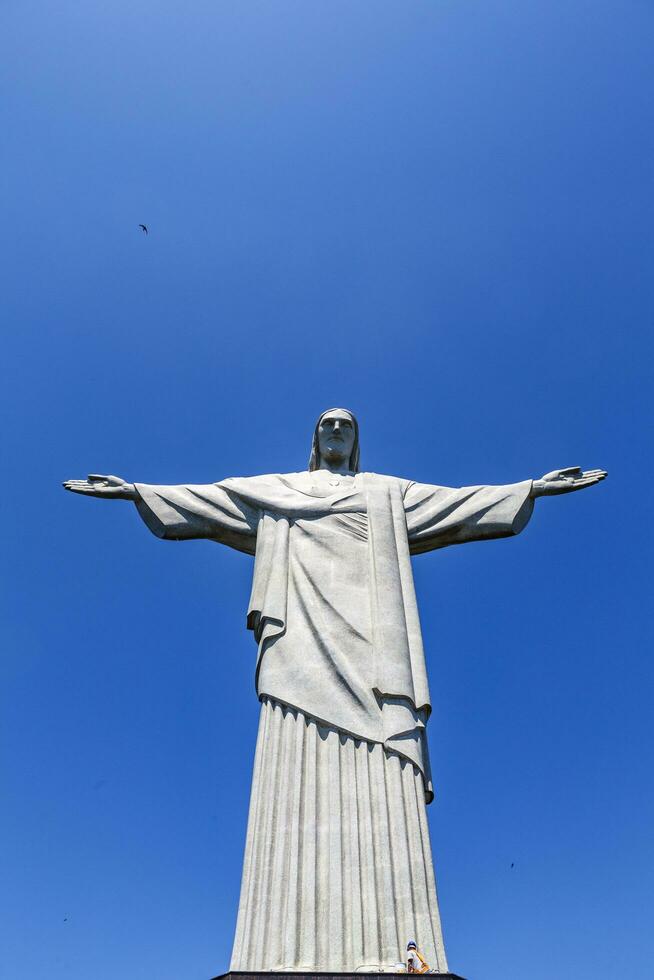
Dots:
pixel 338 871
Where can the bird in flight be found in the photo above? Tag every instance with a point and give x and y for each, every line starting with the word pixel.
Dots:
pixel 144 228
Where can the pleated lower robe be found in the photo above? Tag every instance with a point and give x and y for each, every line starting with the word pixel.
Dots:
pixel 338 868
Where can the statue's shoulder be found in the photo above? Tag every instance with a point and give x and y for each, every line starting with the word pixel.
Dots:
pixel 297 481
pixel 268 482
pixel 381 479
pixel 264 478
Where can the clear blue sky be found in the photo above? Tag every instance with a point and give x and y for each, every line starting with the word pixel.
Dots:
pixel 439 214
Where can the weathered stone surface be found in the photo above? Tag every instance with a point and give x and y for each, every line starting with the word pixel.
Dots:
pixel 338 867
pixel 338 871
pixel 239 975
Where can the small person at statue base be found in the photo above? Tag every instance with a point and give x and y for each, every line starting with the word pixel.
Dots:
pixel 415 963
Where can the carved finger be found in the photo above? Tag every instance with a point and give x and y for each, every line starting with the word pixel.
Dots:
pixel 579 484
pixel 570 470
pixel 599 473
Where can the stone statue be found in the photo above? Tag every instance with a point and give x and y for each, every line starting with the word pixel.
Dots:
pixel 338 869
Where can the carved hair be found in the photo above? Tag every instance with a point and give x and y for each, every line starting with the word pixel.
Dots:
pixel 314 459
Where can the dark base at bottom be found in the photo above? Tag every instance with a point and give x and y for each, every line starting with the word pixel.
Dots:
pixel 237 975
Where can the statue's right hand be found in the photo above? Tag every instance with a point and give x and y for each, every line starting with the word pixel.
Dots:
pixel 110 487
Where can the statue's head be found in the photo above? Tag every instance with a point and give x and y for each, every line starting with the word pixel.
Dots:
pixel 335 439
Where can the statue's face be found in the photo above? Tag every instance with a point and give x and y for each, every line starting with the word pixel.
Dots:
pixel 336 437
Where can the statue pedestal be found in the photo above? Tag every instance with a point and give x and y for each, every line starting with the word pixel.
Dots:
pixel 237 975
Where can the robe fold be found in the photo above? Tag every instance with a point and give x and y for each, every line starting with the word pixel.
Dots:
pixel 281 520
pixel 334 614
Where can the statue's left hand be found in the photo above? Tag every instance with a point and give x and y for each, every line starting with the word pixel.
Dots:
pixel 565 481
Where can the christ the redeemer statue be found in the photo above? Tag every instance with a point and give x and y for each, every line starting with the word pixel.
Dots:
pixel 338 871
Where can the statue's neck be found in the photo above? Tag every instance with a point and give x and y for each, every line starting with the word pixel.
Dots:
pixel 342 469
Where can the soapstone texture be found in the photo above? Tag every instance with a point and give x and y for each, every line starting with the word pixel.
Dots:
pixel 333 607
pixel 268 975
pixel 338 867
pixel 338 871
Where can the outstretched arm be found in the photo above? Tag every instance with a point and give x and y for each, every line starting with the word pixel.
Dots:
pixel 181 513
pixel 440 516
pixel 565 481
